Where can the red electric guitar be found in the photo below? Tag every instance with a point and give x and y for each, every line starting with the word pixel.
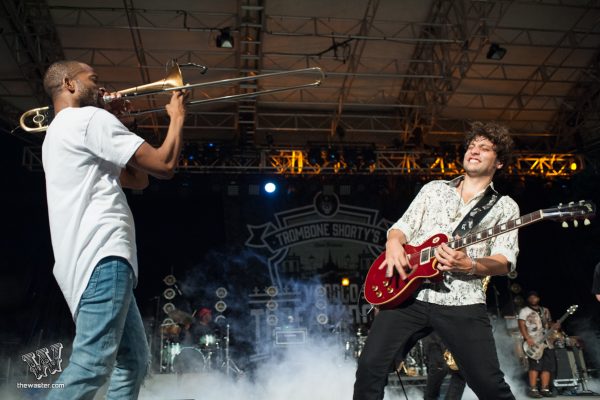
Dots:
pixel 385 292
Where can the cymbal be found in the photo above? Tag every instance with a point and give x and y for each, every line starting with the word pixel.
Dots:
pixel 181 317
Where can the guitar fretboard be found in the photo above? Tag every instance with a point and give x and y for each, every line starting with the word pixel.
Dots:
pixel 480 236
pixel 581 209
pixel 485 234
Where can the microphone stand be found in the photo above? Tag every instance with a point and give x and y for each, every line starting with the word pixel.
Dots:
pixel 229 364
pixel 496 300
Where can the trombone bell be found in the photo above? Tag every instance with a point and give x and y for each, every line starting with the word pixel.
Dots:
pixel 172 80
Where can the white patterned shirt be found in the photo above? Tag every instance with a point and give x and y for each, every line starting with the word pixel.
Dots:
pixel 439 208
pixel 533 322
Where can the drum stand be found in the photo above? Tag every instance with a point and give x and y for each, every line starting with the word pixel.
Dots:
pixel 229 363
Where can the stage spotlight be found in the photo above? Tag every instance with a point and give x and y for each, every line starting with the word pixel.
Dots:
pixel 333 155
pixel 345 281
pixel 369 158
pixel 272 305
pixel 169 294
pixel 169 280
pixel 322 319
pixel 210 151
pixel 190 153
pixel 220 306
pixel 495 52
pixel 270 187
pixel 315 156
pixel 224 39
pixel 573 166
pixel 168 307
pixel 272 291
pixel 221 292
pixel 351 158
pixel 516 288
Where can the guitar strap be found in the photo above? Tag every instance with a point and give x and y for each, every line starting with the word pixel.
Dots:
pixel 480 210
pixel 472 219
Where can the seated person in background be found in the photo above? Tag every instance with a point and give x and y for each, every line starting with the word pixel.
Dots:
pixel 438 368
pixel 534 320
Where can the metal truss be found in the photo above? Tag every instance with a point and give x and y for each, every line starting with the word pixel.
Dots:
pixel 578 118
pixel 468 25
pixel 348 161
pixel 384 162
pixel 251 15
pixel 33 40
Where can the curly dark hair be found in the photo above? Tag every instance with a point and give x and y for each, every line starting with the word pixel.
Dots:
pixel 497 134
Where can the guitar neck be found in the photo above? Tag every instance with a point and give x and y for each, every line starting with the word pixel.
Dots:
pixel 560 321
pixel 486 234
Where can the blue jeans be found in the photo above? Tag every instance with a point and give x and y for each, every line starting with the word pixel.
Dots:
pixel 110 341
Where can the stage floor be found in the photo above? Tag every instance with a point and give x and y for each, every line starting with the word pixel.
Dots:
pixel 335 385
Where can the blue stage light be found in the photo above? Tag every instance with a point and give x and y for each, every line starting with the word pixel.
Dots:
pixel 270 187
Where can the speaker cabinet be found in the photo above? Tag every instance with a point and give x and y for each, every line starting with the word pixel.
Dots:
pixel 570 367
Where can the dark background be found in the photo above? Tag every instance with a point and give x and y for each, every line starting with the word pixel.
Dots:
pixel 184 222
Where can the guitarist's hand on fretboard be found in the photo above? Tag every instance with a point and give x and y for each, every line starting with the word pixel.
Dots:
pixel 453 260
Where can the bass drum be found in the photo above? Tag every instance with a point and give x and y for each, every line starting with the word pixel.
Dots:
pixel 188 360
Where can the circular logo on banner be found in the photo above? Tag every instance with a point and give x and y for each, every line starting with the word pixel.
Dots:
pixel 326 205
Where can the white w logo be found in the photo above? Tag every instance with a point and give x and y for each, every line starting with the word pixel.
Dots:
pixel 45 363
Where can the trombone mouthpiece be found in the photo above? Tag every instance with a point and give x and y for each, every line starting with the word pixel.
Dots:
pixel 107 98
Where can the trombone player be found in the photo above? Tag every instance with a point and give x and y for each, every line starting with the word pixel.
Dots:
pixel 89 156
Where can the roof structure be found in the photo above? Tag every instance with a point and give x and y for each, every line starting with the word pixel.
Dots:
pixel 400 74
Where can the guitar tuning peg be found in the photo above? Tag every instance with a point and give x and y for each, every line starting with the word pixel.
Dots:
pixel 575 223
pixel 565 224
pixel 586 222
pixel 571 203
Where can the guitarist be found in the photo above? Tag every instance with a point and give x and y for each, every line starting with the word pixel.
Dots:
pixel 454 308
pixel 533 322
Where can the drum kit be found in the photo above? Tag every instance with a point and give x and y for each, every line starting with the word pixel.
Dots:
pixel 353 346
pixel 412 365
pixel 560 340
pixel 206 353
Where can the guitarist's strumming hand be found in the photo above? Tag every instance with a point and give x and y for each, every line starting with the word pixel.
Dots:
pixel 395 255
pixel 454 260
pixel 530 342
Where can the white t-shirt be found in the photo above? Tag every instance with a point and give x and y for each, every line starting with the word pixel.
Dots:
pixel 83 154
pixel 533 321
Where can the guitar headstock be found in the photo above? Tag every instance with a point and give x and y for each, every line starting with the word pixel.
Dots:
pixel 572 309
pixel 574 211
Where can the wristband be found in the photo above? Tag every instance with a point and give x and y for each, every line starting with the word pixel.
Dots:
pixel 473 267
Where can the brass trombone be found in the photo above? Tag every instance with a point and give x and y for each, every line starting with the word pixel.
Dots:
pixel 40 118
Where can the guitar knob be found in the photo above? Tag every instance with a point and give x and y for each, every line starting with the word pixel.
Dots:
pixel 390 290
pixel 564 224
pixel 575 223
pixel 386 283
pixel 375 288
pixel 378 294
pixel 586 222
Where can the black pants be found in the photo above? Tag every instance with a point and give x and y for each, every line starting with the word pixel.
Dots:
pixel 466 330
pixel 437 369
